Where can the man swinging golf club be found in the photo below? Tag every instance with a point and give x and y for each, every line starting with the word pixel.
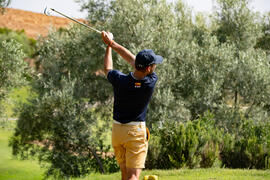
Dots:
pixel 132 93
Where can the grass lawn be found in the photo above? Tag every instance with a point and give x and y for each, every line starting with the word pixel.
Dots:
pixel 196 174
pixel 13 169
pixel 15 97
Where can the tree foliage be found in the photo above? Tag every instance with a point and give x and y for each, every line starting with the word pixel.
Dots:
pixel 12 66
pixel 237 23
pixel 62 125
pixel 27 44
pixel 15 47
pixel 247 81
pixel 264 41
pixel 4 4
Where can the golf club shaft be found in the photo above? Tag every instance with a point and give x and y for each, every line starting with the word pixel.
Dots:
pixel 76 21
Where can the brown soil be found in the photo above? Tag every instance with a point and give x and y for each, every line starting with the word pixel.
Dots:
pixel 34 24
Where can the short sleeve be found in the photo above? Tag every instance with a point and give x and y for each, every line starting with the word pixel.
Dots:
pixel 152 78
pixel 113 76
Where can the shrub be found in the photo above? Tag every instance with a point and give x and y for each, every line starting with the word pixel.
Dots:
pixel 191 144
pixel 247 148
pixel 153 160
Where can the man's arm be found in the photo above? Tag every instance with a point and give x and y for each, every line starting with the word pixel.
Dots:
pixel 108 63
pixel 122 51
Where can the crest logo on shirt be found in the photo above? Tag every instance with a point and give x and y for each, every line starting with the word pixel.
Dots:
pixel 138 85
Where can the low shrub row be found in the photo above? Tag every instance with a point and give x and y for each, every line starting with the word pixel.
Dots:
pixel 202 143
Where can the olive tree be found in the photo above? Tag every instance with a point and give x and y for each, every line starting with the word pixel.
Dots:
pixel 62 126
pixel 4 4
pixel 27 44
pixel 12 66
pixel 247 82
pixel 264 41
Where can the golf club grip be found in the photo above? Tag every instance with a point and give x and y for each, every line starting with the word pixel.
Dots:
pixel 76 21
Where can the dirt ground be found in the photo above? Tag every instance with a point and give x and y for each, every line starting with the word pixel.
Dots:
pixel 34 24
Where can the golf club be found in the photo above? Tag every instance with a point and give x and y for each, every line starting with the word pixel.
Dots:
pixel 47 11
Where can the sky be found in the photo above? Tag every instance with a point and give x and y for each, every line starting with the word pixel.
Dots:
pixel 71 8
pixel 68 7
pixel 207 5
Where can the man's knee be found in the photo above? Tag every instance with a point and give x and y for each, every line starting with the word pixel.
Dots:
pixel 133 174
pixel 133 177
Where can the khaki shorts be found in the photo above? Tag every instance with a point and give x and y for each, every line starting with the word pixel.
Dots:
pixel 130 144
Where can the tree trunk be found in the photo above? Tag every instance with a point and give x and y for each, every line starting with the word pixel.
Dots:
pixel 235 98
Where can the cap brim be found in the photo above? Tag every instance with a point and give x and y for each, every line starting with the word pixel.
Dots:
pixel 158 59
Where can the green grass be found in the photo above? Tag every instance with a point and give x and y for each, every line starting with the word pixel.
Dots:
pixel 15 97
pixel 196 174
pixel 13 169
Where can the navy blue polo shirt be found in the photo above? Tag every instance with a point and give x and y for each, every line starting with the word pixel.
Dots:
pixel 131 96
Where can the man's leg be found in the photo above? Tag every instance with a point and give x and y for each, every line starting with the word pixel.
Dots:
pixel 118 134
pixel 123 171
pixel 136 151
pixel 133 173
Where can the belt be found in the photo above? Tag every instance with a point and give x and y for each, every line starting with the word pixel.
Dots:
pixel 131 123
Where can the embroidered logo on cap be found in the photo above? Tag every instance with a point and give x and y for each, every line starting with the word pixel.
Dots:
pixel 138 85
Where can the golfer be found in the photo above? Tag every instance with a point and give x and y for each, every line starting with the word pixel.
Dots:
pixel 132 93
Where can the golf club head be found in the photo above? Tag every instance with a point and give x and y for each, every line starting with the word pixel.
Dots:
pixel 47 11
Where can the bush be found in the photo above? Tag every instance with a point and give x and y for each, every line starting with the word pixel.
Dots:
pixel 200 143
pixel 247 148
pixel 154 152
pixel 193 144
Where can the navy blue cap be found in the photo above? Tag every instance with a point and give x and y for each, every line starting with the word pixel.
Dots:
pixel 147 57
